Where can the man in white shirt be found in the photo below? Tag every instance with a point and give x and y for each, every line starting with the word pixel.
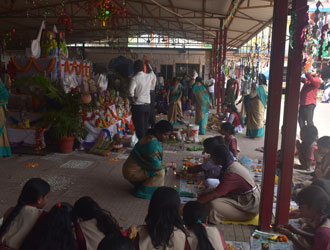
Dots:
pixel 195 75
pixel 139 93
pixel 210 87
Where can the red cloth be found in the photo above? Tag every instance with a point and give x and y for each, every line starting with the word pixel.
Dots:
pixel 231 143
pixel 232 183
pixel 322 239
pixel 309 90
pixel 236 121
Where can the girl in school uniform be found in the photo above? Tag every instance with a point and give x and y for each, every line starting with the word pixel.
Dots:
pixel 201 236
pixel 57 231
pixel 234 117
pixel 228 131
pixel 164 227
pixel 19 220
pixel 323 149
pixel 314 204
pixel 95 222
pixel 236 197
pixel 211 170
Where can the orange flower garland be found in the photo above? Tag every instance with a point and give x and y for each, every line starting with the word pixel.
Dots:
pixel 33 61
pixel 79 68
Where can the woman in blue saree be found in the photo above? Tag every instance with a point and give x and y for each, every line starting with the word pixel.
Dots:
pixel 5 150
pixel 201 98
pixel 174 95
pixel 144 167
pixel 258 102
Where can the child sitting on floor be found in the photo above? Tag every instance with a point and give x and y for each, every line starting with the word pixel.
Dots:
pixel 314 204
pixel 228 130
pixel 211 171
pixel 164 227
pixel 95 222
pixel 57 231
pixel 323 147
pixel 305 149
pixel 161 103
pixel 19 221
pixel 201 236
pixel 323 170
pixel 234 117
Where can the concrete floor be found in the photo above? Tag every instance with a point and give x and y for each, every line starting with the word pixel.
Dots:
pixel 78 174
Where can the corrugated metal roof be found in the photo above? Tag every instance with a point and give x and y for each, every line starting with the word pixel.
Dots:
pixel 190 19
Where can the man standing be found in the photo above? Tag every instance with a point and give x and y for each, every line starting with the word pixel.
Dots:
pixel 308 93
pixel 139 93
pixel 152 115
pixel 210 87
pixel 195 75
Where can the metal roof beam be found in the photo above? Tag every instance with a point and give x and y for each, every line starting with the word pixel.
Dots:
pixel 212 14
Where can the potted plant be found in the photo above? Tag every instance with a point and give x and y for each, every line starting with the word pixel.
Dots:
pixel 61 111
pixel 63 114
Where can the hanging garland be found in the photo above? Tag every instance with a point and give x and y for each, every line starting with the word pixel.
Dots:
pixel 321 46
pixel 34 63
pixel 74 67
pixel 299 42
pixel 79 69
pixel 292 28
pixel 316 18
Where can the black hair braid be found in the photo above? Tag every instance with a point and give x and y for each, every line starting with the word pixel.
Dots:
pixel 203 240
pixel 33 189
pixel 87 209
pixel 11 217
pixel 194 215
pixel 106 223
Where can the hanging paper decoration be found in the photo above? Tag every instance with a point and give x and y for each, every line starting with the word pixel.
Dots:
pixel 108 12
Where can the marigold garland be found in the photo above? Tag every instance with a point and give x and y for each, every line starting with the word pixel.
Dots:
pixel 81 68
pixel 33 61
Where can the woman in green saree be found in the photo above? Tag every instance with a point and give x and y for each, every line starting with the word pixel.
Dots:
pixel 144 167
pixel 174 95
pixel 201 98
pixel 232 91
pixel 5 150
pixel 256 117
